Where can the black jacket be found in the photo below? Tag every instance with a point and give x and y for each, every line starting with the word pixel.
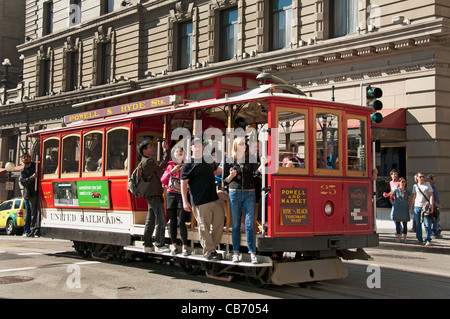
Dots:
pixel 245 179
pixel 27 181
pixel 152 171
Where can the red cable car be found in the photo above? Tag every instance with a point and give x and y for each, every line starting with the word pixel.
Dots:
pixel 316 195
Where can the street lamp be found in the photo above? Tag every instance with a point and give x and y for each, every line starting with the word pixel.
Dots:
pixel 6 63
pixel 9 166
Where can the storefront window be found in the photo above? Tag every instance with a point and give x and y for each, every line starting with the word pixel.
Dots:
pixel 71 154
pixel 50 156
pixel 291 139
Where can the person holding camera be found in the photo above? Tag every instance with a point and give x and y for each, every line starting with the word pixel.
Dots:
pixel 241 180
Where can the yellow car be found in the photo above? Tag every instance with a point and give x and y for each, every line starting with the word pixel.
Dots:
pixel 12 215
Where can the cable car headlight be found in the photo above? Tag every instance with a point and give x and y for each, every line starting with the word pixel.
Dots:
pixel 328 209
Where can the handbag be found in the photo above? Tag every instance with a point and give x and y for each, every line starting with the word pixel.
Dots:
pixel 174 184
pixel 426 207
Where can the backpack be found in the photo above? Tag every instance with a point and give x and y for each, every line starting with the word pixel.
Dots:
pixel 136 184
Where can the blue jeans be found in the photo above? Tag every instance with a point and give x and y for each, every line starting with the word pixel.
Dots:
pixel 243 200
pixel 427 222
pixel 435 227
pixel 27 226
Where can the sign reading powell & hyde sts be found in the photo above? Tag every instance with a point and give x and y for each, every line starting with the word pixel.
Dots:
pixel 122 109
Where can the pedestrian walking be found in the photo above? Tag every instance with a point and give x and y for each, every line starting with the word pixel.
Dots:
pixel 401 203
pixel 436 228
pixel 422 193
pixel 393 185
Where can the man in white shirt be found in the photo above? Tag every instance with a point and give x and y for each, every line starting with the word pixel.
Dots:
pixel 422 192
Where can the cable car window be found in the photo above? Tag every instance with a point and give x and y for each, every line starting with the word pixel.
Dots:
pixel 50 156
pixel 356 144
pixel 117 151
pixel 291 139
pixel 71 154
pixel 92 152
pixel 327 139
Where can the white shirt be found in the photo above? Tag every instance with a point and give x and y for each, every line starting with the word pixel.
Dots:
pixel 426 189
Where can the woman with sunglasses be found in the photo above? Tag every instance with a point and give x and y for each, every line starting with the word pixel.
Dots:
pixel 241 180
pixel 401 202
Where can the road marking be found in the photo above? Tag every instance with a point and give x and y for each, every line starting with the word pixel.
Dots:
pixel 17 269
pixel 36 267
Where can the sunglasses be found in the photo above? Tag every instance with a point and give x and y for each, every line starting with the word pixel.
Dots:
pixel 421 176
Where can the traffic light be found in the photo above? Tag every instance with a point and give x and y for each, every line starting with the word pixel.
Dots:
pixel 372 95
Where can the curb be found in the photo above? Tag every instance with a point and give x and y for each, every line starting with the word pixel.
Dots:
pixel 438 246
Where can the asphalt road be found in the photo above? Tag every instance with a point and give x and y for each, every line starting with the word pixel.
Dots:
pixel 50 269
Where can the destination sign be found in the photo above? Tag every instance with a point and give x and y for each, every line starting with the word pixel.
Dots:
pixel 122 109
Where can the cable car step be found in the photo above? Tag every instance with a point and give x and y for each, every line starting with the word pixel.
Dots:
pixel 264 261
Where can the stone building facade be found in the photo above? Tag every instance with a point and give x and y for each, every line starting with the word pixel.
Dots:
pixel 77 51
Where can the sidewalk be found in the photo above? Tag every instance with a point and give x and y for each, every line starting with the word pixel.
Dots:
pixel 388 240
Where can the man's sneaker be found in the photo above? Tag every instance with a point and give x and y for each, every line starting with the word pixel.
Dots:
pixel 235 258
pixel 162 249
pixel 148 250
pixel 174 251
pixel 254 259
pixel 214 256
pixel 185 252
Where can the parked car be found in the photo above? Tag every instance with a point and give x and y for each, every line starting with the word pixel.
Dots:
pixel 12 215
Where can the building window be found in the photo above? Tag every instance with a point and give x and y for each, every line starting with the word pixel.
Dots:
pixel 44 77
pixel 107 6
pixel 228 34
pixel 48 18
pixel 105 62
pixel 280 24
pixel 73 58
pixel 185 36
pixel 343 17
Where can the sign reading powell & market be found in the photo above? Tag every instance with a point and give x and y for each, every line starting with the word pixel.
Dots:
pixel 122 109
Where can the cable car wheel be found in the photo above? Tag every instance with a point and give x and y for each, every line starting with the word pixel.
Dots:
pixel 82 249
pixel 119 255
pixel 191 267
pixel 257 276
